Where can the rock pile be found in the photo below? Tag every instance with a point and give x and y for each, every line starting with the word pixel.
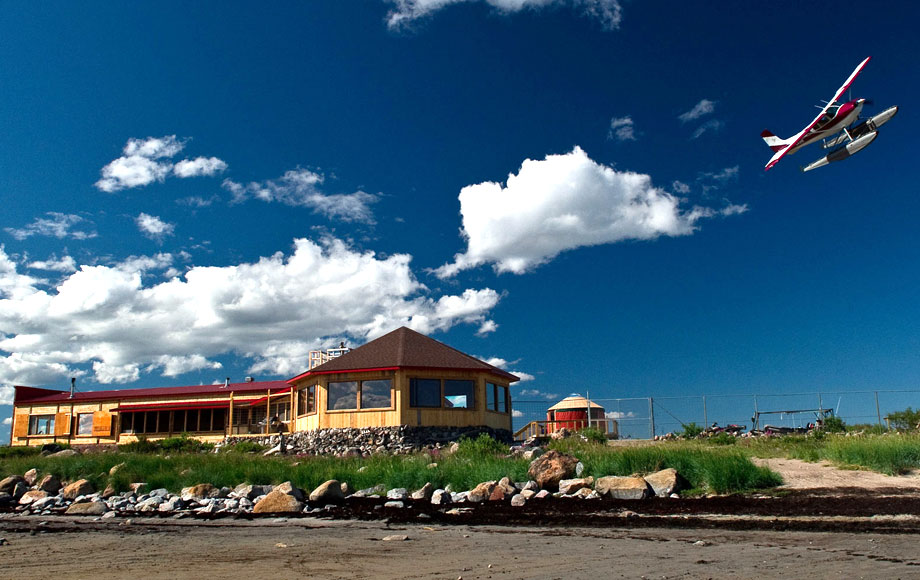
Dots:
pixel 552 474
pixel 370 440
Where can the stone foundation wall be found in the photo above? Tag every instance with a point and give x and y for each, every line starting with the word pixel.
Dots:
pixel 370 440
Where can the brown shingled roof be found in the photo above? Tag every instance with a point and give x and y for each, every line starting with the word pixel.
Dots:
pixel 405 348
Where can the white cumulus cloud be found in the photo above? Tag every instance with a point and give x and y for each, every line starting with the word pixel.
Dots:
pixel 144 161
pixel 199 166
pixel 53 264
pixel 404 12
pixel 107 322
pixel 561 203
pixel 301 188
pixel 7 420
pixel 56 224
pixel 153 227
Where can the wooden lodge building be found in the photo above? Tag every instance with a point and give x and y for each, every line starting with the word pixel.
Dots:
pixel 401 378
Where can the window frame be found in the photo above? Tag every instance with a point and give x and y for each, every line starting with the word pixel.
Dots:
pixel 302 395
pixel 33 424
pixel 500 402
pixel 358 393
pixel 361 406
pixel 78 419
pixel 442 381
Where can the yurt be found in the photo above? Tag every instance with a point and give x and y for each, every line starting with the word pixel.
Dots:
pixel 572 413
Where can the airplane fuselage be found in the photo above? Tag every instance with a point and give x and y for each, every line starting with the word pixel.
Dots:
pixel 843 117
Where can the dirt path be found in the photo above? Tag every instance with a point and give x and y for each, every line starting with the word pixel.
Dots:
pixel 278 548
pixel 799 474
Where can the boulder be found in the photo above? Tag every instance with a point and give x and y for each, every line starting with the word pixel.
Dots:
pixel 199 491
pixel 570 486
pixel 137 487
pixel 116 468
pixel 49 483
pixel 108 492
pixel 665 482
pixel 518 500
pixel 424 493
pixel 328 492
pixel 398 494
pixel 482 492
pixel 19 490
pixel 30 476
pixel 5 499
pixel 507 487
pixel 440 497
pixel 7 484
pixel 32 495
pixel 551 468
pixel 65 453
pixel 278 502
pixel 288 488
pixel 77 488
pixel 87 508
pixel 617 487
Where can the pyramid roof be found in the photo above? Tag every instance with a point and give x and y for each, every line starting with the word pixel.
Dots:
pixel 404 348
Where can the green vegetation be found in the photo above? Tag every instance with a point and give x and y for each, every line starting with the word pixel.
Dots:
pixel 708 469
pixel 719 464
pixel 593 434
pixel 834 425
pixel 690 431
pixel 908 419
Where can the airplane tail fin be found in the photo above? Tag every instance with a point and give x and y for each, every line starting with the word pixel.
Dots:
pixel 774 142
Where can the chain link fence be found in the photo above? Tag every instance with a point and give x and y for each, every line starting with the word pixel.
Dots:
pixel 645 417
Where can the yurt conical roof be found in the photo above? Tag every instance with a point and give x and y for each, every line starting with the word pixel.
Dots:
pixel 573 402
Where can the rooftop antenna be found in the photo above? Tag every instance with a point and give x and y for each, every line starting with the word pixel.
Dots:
pixel 73 386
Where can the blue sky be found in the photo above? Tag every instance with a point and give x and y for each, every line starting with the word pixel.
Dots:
pixel 574 187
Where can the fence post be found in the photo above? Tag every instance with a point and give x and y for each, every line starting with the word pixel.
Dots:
pixel 878 411
pixel 651 415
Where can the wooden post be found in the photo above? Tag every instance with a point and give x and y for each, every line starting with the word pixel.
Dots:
pixel 268 407
pixel 230 417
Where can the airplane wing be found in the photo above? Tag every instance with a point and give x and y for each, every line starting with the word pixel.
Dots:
pixel 801 134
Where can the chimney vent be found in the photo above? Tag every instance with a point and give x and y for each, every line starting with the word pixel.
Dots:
pixel 249 379
pixel 73 386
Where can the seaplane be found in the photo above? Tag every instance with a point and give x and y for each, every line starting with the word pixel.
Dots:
pixel 837 127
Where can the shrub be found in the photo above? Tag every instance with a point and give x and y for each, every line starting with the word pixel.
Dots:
pixel 834 425
pixel 593 435
pixel 184 444
pixel 723 439
pixel 691 430
pixel 482 446
pixel 142 445
pixel 244 446
pixel 904 420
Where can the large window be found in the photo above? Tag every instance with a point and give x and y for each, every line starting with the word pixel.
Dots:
pixel 442 393
pixel 342 395
pixel 458 394
pixel 306 401
pixel 41 425
pixel 425 392
pixel 347 395
pixel 497 398
pixel 84 424
pixel 164 422
pixel 376 394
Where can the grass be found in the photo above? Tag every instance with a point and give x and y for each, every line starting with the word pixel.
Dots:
pixel 706 468
pixel 709 465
